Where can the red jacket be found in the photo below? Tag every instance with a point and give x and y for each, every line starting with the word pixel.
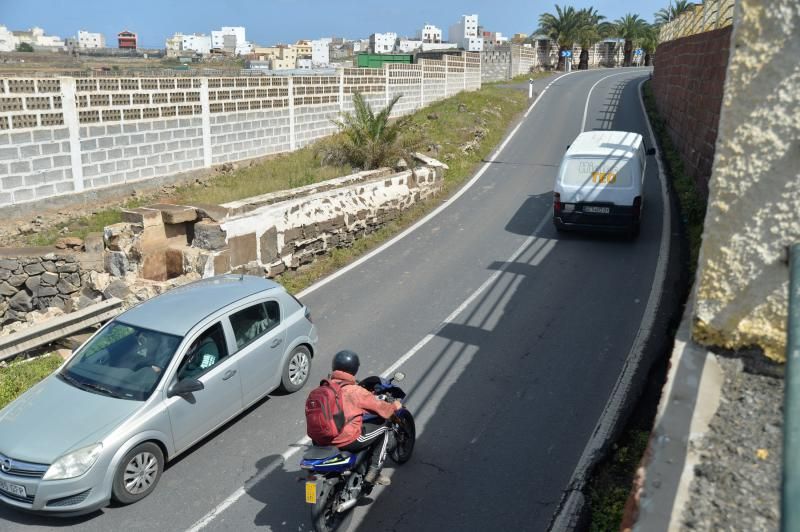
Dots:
pixel 355 402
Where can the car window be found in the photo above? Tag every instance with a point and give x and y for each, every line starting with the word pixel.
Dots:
pixel 254 321
pixel 121 361
pixel 206 351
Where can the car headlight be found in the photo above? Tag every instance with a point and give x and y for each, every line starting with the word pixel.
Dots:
pixel 74 464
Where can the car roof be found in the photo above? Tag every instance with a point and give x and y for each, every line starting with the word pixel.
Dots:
pixel 180 309
pixel 617 144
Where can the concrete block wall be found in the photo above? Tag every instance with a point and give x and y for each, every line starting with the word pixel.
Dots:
pixel 34 164
pixel 435 80
pixel 688 82
pixel 61 136
pixel 122 153
pixel 496 64
pixel 249 134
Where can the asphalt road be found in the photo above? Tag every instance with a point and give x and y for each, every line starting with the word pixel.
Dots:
pixel 514 336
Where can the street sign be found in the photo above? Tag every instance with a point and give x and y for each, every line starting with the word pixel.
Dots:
pixel 638 51
pixel 566 53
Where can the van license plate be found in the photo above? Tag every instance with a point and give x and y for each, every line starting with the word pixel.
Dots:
pixel 596 210
pixel 13 489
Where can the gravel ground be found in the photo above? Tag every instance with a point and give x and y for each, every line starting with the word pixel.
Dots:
pixel 737 483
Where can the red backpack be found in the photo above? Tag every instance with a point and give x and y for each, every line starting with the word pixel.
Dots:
pixel 324 413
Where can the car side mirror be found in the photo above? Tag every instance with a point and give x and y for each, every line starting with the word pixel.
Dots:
pixel 651 151
pixel 185 387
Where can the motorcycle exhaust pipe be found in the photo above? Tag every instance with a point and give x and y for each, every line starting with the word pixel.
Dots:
pixel 346 505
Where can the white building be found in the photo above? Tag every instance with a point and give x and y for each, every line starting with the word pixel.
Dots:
pixel 197 43
pixel 305 64
pixel 88 40
pixel 436 46
pixel 320 52
pixel 236 41
pixel 465 34
pixel 7 41
pixel 382 43
pixel 430 34
pixel 407 46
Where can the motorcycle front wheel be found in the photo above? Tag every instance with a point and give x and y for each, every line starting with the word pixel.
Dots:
pixel 324 517
pixel 405 433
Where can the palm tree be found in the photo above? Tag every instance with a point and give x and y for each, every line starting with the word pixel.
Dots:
pixel 563 28
pixel 591 31
pixel 649 43
pixel 630 27
pixel 670 13
pixel 370 140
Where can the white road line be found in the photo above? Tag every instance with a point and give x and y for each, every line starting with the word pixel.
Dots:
pixel 610 412
pixel 236 495
pixel 586 107
pixel 426 219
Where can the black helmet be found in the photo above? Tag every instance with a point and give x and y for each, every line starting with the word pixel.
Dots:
pixel 346 361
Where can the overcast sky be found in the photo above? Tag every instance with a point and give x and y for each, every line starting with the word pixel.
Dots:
pixel 274 21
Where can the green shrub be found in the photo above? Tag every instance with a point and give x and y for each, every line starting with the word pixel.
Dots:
pixel 19 376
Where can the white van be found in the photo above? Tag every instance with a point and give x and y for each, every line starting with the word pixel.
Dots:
pixel 599 182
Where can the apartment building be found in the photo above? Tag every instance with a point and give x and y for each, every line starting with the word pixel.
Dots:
pixel 7 41
pixel 430 34
pixel 320 52
pixel 493 38
pixel 304 49
pixel 382 43
pixel 232 39
pixel 88 40
pixel 37 38
pixel 407 46
pixel 465 34
pixel 127 40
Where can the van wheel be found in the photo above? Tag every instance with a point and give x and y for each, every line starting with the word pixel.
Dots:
pixel 633 232
pixel 559 227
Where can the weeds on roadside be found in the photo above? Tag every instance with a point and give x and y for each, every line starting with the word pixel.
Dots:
pixel 18 376
pixel 692 203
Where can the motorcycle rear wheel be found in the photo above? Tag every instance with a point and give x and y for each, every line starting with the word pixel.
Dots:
pixel 324 518
pixel 406 435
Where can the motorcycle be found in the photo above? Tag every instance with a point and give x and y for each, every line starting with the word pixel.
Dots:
pixel 335 480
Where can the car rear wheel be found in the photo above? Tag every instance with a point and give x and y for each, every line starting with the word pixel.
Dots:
pixel 138 473
pixel 296 370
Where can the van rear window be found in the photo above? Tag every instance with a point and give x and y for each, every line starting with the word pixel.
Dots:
pixel 591 172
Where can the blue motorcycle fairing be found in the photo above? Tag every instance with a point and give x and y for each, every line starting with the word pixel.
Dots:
pixel 337 462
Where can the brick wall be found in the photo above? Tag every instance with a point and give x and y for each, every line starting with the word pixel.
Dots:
pixel 688 82
pixel 65 135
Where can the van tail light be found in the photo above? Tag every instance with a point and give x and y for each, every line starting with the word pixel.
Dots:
pixel 637 207
pixel 557 203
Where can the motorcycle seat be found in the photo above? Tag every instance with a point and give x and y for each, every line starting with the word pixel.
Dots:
pixel 319 453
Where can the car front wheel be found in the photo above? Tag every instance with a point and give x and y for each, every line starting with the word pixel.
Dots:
pixel 296 370
pixel 138 473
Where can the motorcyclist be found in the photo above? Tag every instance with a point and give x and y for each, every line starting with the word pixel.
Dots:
pixel 356 401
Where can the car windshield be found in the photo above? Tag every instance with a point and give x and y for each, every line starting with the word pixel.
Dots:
pixel 122 361
pixel 596 172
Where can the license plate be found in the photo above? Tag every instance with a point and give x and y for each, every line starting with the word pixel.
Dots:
pixel 311 492
pixel 596 210
pixel 13 489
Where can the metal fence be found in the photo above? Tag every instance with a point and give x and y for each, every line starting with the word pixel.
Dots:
pixel 790 489
pixel 710 15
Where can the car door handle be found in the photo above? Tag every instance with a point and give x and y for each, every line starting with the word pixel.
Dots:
pixel 228 374
pixel 276 342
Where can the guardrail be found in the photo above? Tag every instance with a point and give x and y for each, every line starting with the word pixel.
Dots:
pixel 51 330
pixel 790 489
pixel 710 15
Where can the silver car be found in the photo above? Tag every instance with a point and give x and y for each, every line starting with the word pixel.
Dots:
pixel 146 387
